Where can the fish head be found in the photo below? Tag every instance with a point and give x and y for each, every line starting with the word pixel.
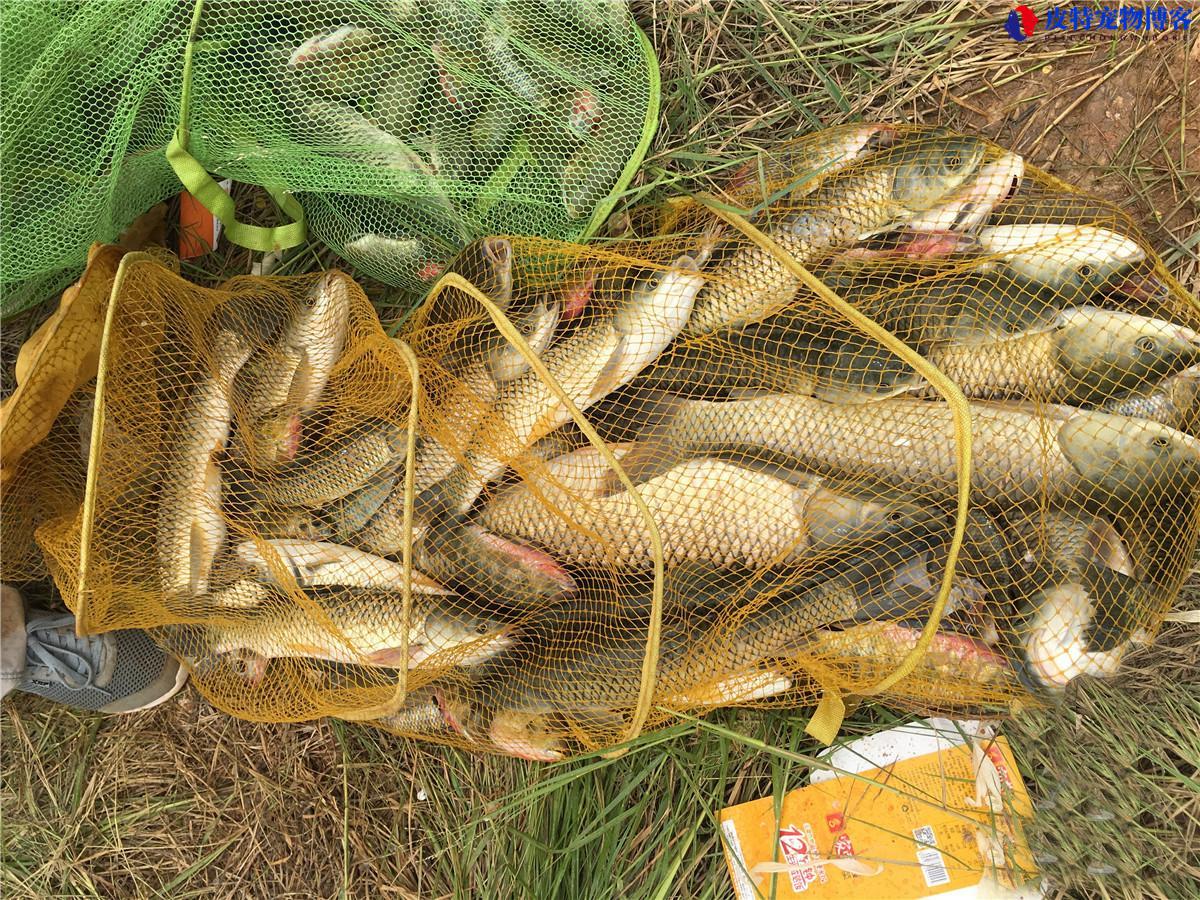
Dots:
pixel 835 517
pixel 466 639
pixel 1112 352
pixel 928 172
pixel 967 207
pixel 1075 261
pixel 524 735
pixel 537 326
pixel 1083 624
pixel 855 371
pixel 1128 457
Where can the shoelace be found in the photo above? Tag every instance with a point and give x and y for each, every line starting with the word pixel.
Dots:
pixel 55 653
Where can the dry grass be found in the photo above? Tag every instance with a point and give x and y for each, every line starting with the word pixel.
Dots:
pixel 185 801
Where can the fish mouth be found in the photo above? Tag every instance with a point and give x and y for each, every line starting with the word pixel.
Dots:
pixel 1143 287
pixel 880 136
pixel 511 734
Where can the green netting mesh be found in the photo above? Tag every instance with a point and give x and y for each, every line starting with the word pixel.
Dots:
pixel 406 127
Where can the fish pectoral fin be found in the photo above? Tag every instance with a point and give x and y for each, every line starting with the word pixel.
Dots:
pixel 646 460
pixel 834 393
pixel 393 657
pixel 301 379
pixel 1107 547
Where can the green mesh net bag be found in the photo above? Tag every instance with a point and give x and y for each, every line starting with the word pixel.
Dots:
pixel 404 128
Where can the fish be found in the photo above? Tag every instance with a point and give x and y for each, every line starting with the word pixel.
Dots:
pixel 477 359
pixel 1065 209
pixel 969 205
pixel 321 563
pixel 718 368
pixel 502 572
pixel 342 63
pixel 718 664
pixel 808 160
pixel 1174 402
pixel 764 519
pixel 1020 456
pixel 960 299
pixel 356 625
pixel 396 255
pixel 888 189
pixel 603 353
pixel 1090 355
pixel 338 465
pixel 190 527
pixel 1023 281
pixel 281 382
pixel 487 263
pixel 340 129
pixel 1083 623
pixel 478 375
pixel 952 656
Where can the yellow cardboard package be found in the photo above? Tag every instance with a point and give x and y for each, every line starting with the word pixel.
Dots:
pixel 932 809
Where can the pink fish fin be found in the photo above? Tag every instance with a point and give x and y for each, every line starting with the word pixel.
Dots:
pixel 393 657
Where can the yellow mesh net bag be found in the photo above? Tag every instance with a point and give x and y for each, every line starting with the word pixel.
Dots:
pixel 898 416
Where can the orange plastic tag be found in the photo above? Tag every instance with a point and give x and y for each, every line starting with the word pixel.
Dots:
pixel 947 822
pixel 199 229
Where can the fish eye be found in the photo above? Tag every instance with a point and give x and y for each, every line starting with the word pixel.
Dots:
pixel 1086 271
pixel 954 160
pixel 482 627
pixel 895 516
pixel 1160 441
pixel 1146 344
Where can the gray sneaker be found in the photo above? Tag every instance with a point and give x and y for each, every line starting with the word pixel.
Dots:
pixel 115 672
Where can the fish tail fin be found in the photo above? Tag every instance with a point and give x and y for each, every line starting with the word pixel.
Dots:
pixel 658 448
pixel 1123 607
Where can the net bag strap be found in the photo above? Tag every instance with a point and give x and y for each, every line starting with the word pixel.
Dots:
pixel 649 673
pixel 827 721
pixel 210 194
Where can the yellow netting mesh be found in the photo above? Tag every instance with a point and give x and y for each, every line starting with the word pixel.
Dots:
pixel 898 416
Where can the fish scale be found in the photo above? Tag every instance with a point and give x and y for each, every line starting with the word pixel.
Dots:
pixel 348 624
pixel 753 279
